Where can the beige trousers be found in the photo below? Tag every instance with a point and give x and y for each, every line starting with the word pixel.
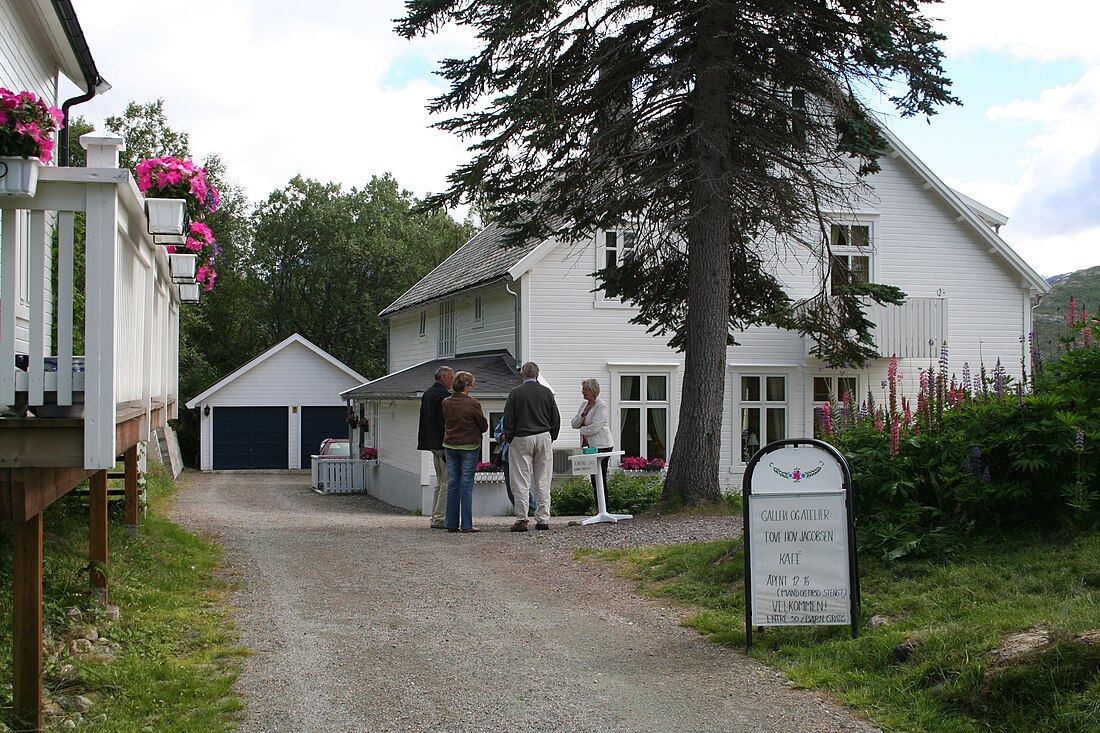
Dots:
pixel 531 466
pixel 439 498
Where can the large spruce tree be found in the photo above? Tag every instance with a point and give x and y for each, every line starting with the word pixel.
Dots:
pixel 721 130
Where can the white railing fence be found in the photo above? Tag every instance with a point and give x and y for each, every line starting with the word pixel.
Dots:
pixel 131 311
pixel 339 475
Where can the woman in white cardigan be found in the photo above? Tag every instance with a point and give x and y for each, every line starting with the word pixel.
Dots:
pixel 593 422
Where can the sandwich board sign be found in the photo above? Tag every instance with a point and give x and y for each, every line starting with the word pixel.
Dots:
pixel 800 551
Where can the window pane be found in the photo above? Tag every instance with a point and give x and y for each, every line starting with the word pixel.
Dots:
pixel 631 387
pixel 631 436
pixel 750 432
pixel 750 389
pixel 861 236
pixel 628 243
pixel 777 423
pixel 611 240
pixel 848 386
pixel 838 236
pixel 777 389
pixel 656 430
pixel 860 268
pixel 823 389
pixel 494 446
pixel 656 388
pixel 838 273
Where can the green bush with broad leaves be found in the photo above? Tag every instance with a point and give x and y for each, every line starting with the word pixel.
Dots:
pixel 977 457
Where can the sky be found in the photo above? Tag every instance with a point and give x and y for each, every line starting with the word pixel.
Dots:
pixel 326 89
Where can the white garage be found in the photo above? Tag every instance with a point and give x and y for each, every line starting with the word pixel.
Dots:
pixel 274 411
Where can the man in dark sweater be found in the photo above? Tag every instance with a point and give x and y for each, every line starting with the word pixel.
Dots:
pixel 431 438
pixel 531 425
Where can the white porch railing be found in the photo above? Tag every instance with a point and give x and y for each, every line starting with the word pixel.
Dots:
pixel 131 310
pixel 339 475
pixel 915 329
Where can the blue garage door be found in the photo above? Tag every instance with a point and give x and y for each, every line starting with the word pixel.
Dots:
pixel 250 437
pixel 319 423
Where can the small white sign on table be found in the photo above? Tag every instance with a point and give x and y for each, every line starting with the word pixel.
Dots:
pixel 799 532
pixel 588 464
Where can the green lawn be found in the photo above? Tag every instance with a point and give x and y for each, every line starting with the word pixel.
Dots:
pixel 951 615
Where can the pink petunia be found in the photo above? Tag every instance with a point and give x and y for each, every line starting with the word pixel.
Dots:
pixel 202 231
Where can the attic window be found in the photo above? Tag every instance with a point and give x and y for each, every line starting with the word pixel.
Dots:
pixel 851 251
pixel 617 245
pixel 423 323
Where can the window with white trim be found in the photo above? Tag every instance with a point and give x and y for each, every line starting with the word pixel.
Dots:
pixel 643 415
pixel 491 447
pixel 423 323
pixel 762 406
pixel 617 245
pixel 479 312
pixel 445 344
pixel 850 246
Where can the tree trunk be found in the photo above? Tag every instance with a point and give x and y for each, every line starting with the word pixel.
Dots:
pixel 693 468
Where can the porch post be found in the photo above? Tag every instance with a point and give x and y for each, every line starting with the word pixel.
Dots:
pixel 97 534
pixel 27 621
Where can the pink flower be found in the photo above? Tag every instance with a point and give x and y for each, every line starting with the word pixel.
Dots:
pixel 202 231
pixel 895 438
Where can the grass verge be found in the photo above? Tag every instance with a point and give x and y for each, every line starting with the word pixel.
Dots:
pixel 177 655
pixel 936 666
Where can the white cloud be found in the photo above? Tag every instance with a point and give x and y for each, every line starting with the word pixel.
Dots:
pixel 1054 29
pixel 325 89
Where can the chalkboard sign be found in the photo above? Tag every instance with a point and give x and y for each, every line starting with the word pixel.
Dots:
pixel 800 562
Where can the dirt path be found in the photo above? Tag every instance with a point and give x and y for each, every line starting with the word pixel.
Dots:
pixel 362 619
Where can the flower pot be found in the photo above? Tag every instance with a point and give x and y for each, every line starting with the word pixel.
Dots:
pixel 189 293
pixel 166 216
pixel 182 267
pixel 18 176
pixel 170 240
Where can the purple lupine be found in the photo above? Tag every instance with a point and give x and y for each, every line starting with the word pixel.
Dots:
pixel 999 379
pixel 966 381
pixel 1079 441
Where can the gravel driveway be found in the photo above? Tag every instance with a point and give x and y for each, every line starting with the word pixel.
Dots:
pixel 362 619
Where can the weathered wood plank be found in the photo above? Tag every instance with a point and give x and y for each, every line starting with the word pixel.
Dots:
pixel 27 622
pixel 28 491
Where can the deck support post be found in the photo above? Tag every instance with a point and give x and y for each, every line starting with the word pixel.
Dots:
pixel 27 622
pixel 130 457
pixel 97 535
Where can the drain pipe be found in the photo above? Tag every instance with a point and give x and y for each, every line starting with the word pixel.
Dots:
pixel 94 83
pixel 515 297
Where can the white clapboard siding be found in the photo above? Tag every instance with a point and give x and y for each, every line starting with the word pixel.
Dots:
pixel 294 376
pixel 24 64
pixel 407 346
pixel 497 327
pixel 397 430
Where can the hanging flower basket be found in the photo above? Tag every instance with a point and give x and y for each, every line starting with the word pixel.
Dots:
pixel 18 176
pixel 182 267
pixel 166 216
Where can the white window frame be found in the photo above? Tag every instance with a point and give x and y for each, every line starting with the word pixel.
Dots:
pixel 671 403
pixel 601 250
pixel 837 397
pixel 479 312
pixel 849 250
pixel 445 342
pixel 763 404
pixel 424 322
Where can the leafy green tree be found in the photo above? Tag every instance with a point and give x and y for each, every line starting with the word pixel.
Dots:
pixel 147 134
pixel 328 262
pixel 721 129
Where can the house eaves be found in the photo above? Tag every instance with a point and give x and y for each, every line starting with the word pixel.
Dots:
pixel 965 214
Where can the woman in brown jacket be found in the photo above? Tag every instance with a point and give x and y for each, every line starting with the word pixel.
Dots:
pixel 463 425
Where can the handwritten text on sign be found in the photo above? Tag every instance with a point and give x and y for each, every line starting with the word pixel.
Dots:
pixel 799 560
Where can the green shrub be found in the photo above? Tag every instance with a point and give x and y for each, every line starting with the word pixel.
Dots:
pixel 625 495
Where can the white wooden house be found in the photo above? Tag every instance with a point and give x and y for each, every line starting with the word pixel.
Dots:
pixel 965 287
pixel 67 414
pixel 274 411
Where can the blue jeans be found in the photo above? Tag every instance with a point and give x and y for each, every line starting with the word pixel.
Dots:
pixel 508 490
pixel 461 465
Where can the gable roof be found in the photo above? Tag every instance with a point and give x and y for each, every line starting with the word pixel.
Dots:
pixel 494 372
pixel 242 370
pixel 478 262
pixel 482 260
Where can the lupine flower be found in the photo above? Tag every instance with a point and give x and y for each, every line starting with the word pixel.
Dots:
pixel 879 425
pixel 1079 441
pixel 895 438
pixel 827 420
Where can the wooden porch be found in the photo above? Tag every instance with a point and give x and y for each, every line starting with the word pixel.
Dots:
pixel 68 416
